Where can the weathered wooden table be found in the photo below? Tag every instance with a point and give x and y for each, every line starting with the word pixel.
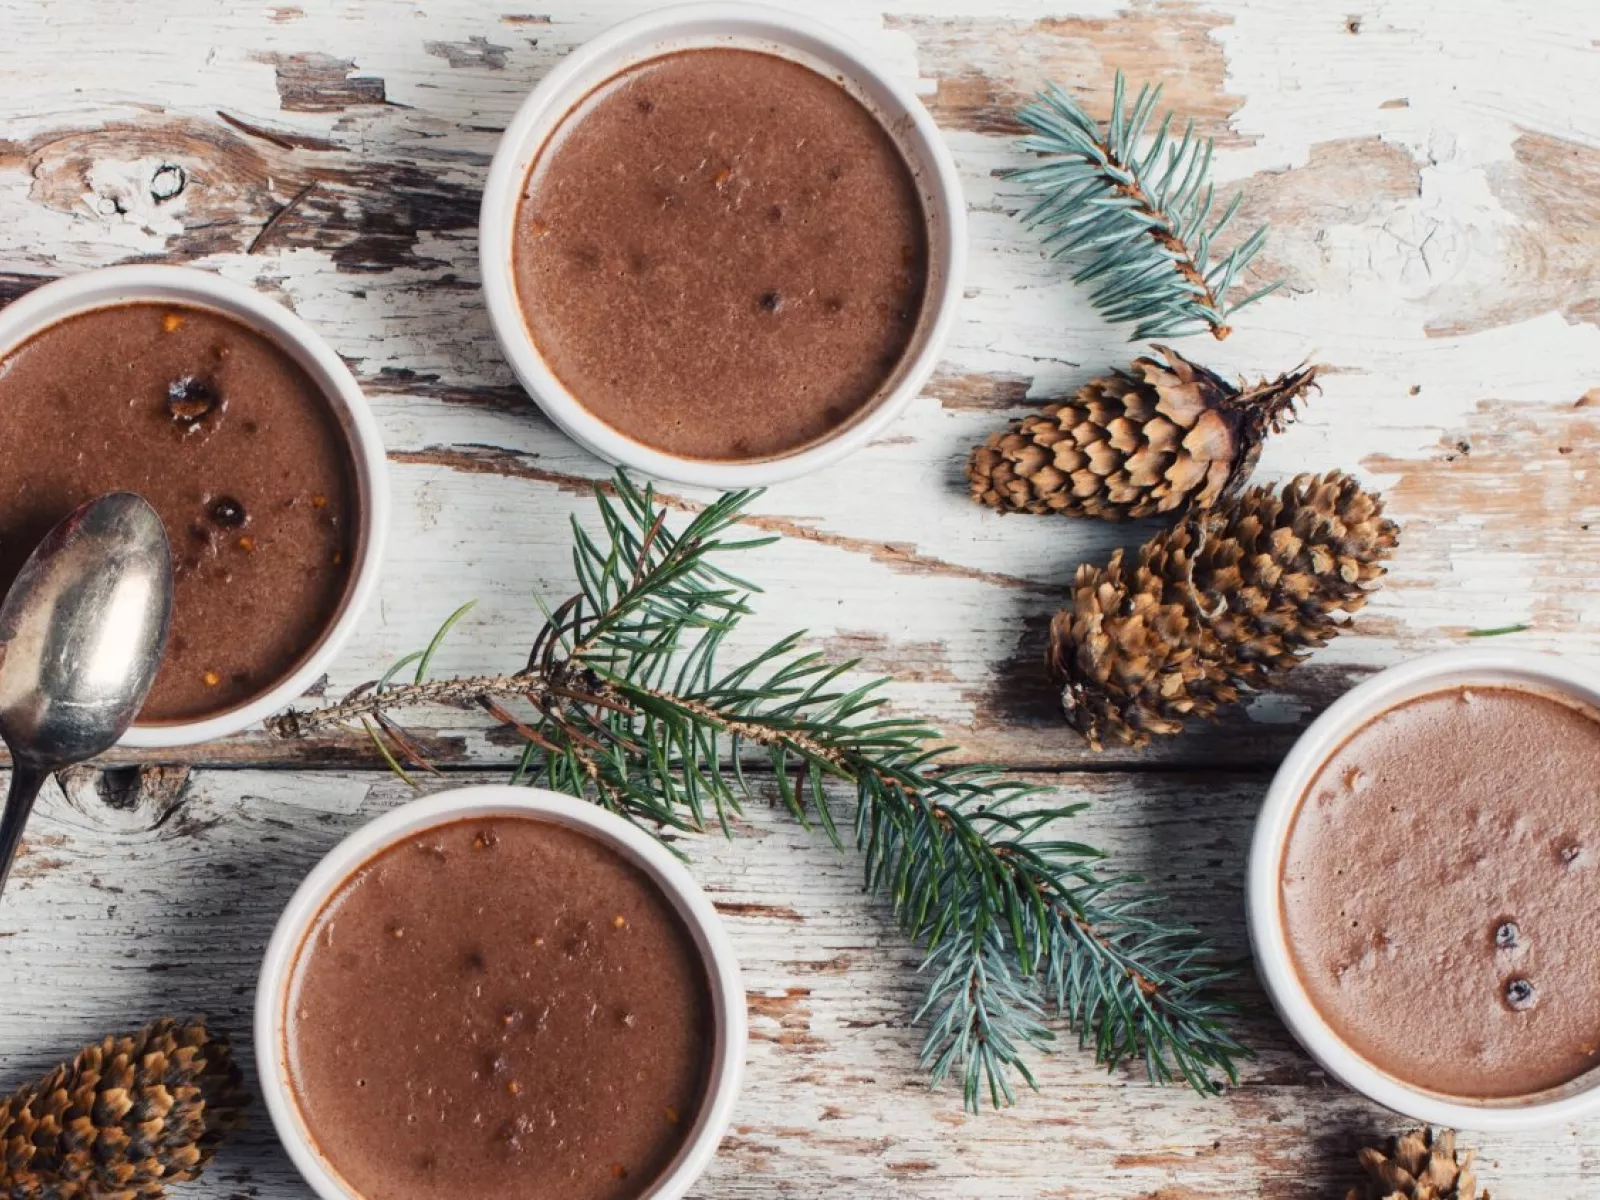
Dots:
pixel 1432 174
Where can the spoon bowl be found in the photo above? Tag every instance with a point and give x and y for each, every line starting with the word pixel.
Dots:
pixel 82 631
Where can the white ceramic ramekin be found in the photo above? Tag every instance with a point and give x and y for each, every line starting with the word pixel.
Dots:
pixel 184 285
pixel 1578 1099
pixel 746 26
pixel 675 882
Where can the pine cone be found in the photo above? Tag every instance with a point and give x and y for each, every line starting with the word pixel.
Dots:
pixel 124 1118
pixel 1418 1166
pixel 1167 437
pixel 1227 600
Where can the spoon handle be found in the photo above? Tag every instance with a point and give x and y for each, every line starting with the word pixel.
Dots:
pixel 26 780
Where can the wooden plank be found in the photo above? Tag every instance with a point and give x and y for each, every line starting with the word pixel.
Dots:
pixel 117 914
pixel 1448 281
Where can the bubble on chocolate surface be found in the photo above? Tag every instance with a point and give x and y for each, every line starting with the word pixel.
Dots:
pixel 191 399
pixel 1520 995
pixel 227 512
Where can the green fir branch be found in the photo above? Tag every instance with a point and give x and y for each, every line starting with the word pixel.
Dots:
pixel 1140 220
pixel 622 701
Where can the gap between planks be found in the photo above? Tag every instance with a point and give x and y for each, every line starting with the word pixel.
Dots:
pixel 1209 767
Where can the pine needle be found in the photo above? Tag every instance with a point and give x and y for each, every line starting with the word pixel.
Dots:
pixel 622 702
pixel 426 659
pixel 1137 221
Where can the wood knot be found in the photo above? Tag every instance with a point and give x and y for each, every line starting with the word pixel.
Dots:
pixel 141 797
pixel 168 181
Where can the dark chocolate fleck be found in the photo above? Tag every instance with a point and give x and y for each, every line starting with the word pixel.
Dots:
pixel 227 512
pixel 191 399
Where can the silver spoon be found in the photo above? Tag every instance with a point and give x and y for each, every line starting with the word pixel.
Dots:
pixel 81 635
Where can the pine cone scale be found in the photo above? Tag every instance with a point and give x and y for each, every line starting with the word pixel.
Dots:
pixel 1417 1166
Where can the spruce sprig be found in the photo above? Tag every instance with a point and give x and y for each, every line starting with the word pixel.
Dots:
pixel 622 701
pixel 1137 219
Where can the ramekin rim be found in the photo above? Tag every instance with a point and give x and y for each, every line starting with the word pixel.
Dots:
pixel 543 109
pixel 103 287
pixel 1268 937
pixel 512 801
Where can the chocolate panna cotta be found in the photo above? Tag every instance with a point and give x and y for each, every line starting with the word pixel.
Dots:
pixel 498 1007
pixel 235 447
pixel 1440 891
pixel 722 254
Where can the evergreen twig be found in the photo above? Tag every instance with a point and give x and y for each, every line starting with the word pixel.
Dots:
pixel 1137 218
pixel 622 701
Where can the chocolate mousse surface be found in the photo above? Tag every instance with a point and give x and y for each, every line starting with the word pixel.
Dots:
pixel 1441 891
pixel 502 1008
pixel 722 254
pixel 236 448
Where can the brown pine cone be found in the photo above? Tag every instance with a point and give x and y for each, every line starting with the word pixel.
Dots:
pixel 1159 438
pixel 124 1118
pixel 1225 602
pixel 1418 1166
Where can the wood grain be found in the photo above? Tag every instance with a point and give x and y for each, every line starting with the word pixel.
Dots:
pixel 118 913
pixel 1432 176
pixel 985 67
pixel 1550 257
pixel 379 255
